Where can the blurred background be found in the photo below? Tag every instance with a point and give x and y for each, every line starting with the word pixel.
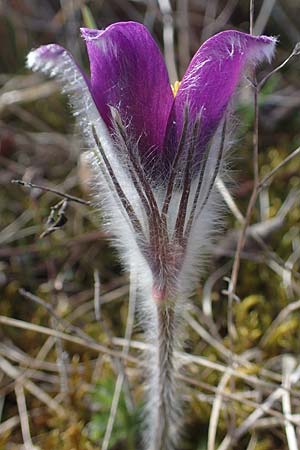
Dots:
pixel 56 383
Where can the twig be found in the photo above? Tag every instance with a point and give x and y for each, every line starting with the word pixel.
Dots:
pixel 242 238
pixel 69 197
pixel 295 52
pixel 251 204
pixel 267 178
pixel 57 218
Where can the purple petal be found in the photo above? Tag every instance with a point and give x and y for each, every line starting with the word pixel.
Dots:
pixel 211 79
pixel 128 73
pixel 55 61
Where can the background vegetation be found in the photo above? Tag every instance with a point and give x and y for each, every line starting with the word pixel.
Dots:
pixel 57 382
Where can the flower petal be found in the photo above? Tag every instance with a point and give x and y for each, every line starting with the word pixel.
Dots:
pixel 55 61
pixel 212 78
pixel 128 73
pixel 112 184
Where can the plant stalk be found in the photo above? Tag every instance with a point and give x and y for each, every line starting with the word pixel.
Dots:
pixel 164 408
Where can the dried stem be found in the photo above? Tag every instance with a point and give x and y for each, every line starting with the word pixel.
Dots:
pixel 168 37
pixel 262 409
pixel 295 52
pixel 242 238
pixel 97 303
pixel 69 197
pixel 252 201
pixel 268 177
pixel 24 419
pixel 288 365
pixel 251 16
pixel 215 413
pixel 67 337
pixel 16 374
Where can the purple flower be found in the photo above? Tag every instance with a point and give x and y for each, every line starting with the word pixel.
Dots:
pixel 156 156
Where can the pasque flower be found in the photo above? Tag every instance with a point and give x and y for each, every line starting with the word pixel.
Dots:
pixel 155 157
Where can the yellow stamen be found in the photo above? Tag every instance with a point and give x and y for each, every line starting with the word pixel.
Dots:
pixel 175 87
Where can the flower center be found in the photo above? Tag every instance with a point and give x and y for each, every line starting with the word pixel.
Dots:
pixel 175 87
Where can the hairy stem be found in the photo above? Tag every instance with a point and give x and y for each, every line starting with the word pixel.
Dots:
pixel 164 408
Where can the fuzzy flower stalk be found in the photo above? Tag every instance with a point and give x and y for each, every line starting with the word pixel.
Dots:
pixel 155 155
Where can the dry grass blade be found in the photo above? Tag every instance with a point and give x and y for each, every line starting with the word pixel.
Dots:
pixel 168 36
pixel 121 376
pixel 282 316
pixel 97 304
pixel 217 24
pixel 288 365
pixel 187 359
pixel 8 425
pixel 74 339
pixel 41 395
pixel 24 420
pixel 263 16
pixel 215 412
pixel 229 199
pixel 29 94
pixel 264 408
